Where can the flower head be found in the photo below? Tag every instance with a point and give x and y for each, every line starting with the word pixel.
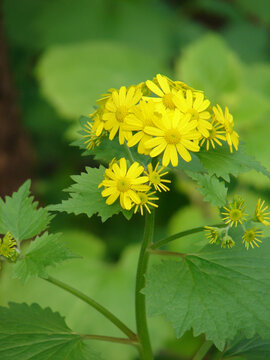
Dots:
pixel 174 134
pixel 250 237
pixel 261 214
pixel 118 109
pixel 212 234
pixel 124 183
pixel 226 119
pixel 234 212
pixel 146 200
pixel 155 177
pixel 8 247
pixel 160 87
pixel 215 135
pixel 195 105
pixel 143 115
pixel 227 241
pixel 92 140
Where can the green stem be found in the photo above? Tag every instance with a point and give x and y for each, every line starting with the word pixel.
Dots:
pixel 143 335
pixel 111 339
pixel 129 154
pixel 203 350
pixel 165 241
pixel 118 323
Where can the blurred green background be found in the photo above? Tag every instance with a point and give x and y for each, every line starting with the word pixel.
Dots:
pixel 63 54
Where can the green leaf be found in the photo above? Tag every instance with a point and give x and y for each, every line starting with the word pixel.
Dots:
pixel 261 10
pixel 85 197
pixel 30 332
pixel 218 292
pixel 211 188
pixel 100 65
pixel 45 251
pixel 222 163
pixel 251 349
pixel 20 216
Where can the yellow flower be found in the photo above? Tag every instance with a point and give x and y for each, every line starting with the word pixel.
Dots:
pixel 212 234
pixel 145 200
pixel 124 183
pixel 260 213
pixel 226 120
pixel 227 241
pixel 92 140
pixel 174 134
pixel 234 213
pixel 143 116
pixel 8 247
pixel 215 134
pixel 251 236
pixel 155 178
pixel 163 90
pixel 195 105
pixel 118 109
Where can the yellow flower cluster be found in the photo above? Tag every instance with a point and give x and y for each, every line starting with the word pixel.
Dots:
pixel 233 216
pixel 132 186
pixel 163 117
pixel 8 247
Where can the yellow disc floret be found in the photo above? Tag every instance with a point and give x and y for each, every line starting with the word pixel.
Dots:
pixel 8 247
pixel 155 177
pixel 250 237
pixel 121 182
pixel 118 109
pixel 261 214
pixel 234 212
pixel 146 200
pixel 174 134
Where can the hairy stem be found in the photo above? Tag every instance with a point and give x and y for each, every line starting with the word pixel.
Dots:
pixel 142 329
pixel 168 239
pixel 111 317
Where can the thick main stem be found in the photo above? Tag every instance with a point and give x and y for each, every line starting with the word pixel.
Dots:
pixel 117 322
pixel 142 329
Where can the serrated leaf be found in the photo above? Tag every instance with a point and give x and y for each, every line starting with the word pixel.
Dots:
pixel 222 163
pixel 85 197
pixel 252 349
pixel 20 216
pixel 218 292
pixel 211 188
pixel 44 251
pixel 30 332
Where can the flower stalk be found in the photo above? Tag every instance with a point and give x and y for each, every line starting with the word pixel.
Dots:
pixel 140 306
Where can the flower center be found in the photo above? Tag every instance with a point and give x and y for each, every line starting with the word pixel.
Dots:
pixel 123 184
pixel 172 136
pixel 212 133
pixel 249 236
pixel 168 102
pixel 194 114
pixel 121 113
pixel 155 178
pixel 235 214
pixel 143 198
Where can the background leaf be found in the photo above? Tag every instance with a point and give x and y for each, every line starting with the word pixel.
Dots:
pixel 32 332
pixel 252 349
